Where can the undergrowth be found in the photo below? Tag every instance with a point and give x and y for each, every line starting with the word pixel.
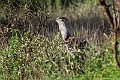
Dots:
pixel 25 59
pixel 29 56
pixel 41 59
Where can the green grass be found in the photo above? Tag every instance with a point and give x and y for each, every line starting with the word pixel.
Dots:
pixel 44 59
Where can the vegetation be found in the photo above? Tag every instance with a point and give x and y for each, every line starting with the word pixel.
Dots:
pixel 31 47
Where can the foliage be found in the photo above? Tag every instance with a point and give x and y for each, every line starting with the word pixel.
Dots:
pixel 53 3
pixel 30 55
pixel 24 16
pixel 101 66
pixel 35 59
pixel 23 58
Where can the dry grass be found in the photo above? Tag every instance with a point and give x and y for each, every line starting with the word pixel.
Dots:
pixel 45 55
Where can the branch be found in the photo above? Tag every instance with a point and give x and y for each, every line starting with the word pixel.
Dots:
pixel 107 13
pixel 114 25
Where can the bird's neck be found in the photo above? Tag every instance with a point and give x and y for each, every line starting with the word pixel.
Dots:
pixel 64 32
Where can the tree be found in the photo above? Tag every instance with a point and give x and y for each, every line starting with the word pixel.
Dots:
pixel 113 17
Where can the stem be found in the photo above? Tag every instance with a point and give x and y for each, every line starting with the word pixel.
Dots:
pixel 116 50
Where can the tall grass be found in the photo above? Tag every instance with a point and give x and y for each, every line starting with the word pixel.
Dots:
pixel 41 59
pixel 32 47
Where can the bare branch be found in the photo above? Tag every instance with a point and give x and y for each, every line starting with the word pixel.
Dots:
pixel 107 13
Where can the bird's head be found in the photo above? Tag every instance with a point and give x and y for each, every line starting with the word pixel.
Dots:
pixel 61 19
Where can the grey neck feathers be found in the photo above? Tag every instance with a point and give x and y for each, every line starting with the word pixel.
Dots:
pixel 64 31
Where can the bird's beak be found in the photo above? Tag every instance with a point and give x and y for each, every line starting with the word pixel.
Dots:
pixel 55 18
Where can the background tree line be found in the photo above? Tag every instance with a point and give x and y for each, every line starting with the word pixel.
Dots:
pixel 53 3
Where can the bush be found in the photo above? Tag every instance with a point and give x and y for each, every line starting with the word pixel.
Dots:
pixel 100 66
pixel 25 59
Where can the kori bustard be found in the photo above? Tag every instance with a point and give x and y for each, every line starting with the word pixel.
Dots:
pixel 70 42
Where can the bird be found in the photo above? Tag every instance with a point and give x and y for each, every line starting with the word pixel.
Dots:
pixel 62 27
pixel 70 42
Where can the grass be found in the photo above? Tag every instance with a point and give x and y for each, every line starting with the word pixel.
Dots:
pixel 32 49
pixel 44 59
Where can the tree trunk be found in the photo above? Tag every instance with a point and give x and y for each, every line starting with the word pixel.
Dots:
pixel 116 50
pixel 114 23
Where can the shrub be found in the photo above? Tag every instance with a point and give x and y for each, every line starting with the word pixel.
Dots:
pixel 32 59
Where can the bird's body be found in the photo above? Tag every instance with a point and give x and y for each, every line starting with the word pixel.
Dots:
pixel 70 42
pixel 75 42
